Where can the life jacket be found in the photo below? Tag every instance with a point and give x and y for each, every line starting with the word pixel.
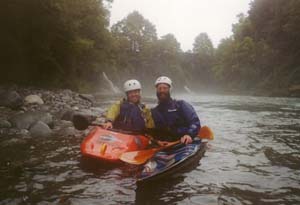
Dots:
pixel 131 117
pixel 168 119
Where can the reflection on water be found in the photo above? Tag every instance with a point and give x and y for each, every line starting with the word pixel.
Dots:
pixel 255 159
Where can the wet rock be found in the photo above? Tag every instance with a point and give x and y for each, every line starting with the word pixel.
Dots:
pixel 67 92
pixel 87 113
pixel 83 118
pixel 65 123
pixel 40 129
pixel 45 108
pixel 25 120
pixel 67 131
pixel 87 97
pixel 66 98
pixel 13 142
pixel 11 99
pixel 34 99
pixel 68 115
pixel 38 186
pixel 97 110
pixel 75 108
pixel 23 132
pixel 4 124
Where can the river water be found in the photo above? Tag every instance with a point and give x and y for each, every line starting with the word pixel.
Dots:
pixel 254 159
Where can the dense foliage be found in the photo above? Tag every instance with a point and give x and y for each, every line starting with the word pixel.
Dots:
pixel 263 55
pixel 68 43
pixel 53 43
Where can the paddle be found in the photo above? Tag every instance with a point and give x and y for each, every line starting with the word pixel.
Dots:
pixel 206 133
pixel 142 156
pixel 81 122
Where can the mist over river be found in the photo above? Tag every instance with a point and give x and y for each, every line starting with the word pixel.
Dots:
pixel 254 159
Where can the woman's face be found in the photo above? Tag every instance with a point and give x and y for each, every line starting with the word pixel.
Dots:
pixel 134 96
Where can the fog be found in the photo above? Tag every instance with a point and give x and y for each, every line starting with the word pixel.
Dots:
pixel 185 18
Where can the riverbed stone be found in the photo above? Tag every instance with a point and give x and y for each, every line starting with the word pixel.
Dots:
pixel 34 99
pixel 67 131
pixel 87 97
pixel 11 99
pixel 97 110
pixel 5 124
pixel 68 115
pixel 40 129
pixel 25 120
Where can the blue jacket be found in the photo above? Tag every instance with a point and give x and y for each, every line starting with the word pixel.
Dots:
pixel 175 119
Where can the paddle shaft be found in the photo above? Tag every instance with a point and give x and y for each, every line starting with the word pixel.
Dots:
pixel 142 156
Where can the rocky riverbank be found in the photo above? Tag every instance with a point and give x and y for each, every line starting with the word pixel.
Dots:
pixel 32 112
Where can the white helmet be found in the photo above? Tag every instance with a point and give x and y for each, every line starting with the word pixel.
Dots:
pixel 165 80
pixel 132 85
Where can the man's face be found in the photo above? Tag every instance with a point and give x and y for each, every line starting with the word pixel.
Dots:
pixel 134 96
pixel 163 92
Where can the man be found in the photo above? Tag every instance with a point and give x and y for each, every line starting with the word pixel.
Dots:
pixel 174 119
pixel 129 114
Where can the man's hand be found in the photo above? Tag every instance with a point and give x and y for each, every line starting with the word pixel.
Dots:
pixel 162 143
pixel 186 139
pixel 107 125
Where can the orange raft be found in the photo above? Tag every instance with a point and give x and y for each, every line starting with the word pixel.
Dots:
pixel 108 145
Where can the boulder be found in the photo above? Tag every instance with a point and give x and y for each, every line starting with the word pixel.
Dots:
pixel 67 131
pixel 64 123
pixel 11 99
pixel 25 120
pixel 75 108
pixel 68 115
pixel 34 99
pixel 4 124
pixel 40 129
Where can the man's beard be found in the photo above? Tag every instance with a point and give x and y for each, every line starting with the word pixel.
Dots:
pixel 163 97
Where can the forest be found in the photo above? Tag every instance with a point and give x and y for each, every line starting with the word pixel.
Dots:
pixel 70 44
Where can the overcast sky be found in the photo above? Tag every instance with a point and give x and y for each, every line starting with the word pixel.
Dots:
pixel 185 18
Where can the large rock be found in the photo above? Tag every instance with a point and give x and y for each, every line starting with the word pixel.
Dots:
pixel 11 99
pixel 40 129
pixel 25 120
pixel 68 115
pixel 4 124
pixel 67 131
pixel 34 99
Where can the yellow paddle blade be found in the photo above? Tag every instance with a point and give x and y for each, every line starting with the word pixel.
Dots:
pixel 206 133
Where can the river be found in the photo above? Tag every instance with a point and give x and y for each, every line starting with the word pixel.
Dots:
pixel 254 159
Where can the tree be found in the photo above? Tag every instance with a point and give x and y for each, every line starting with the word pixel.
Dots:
pixel 54 43
pixel 203 45
pixel 203 58
pixel 136 29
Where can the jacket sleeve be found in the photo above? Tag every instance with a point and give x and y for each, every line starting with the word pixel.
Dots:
pixel 192 119
pixel 148 118
pixel 113 112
